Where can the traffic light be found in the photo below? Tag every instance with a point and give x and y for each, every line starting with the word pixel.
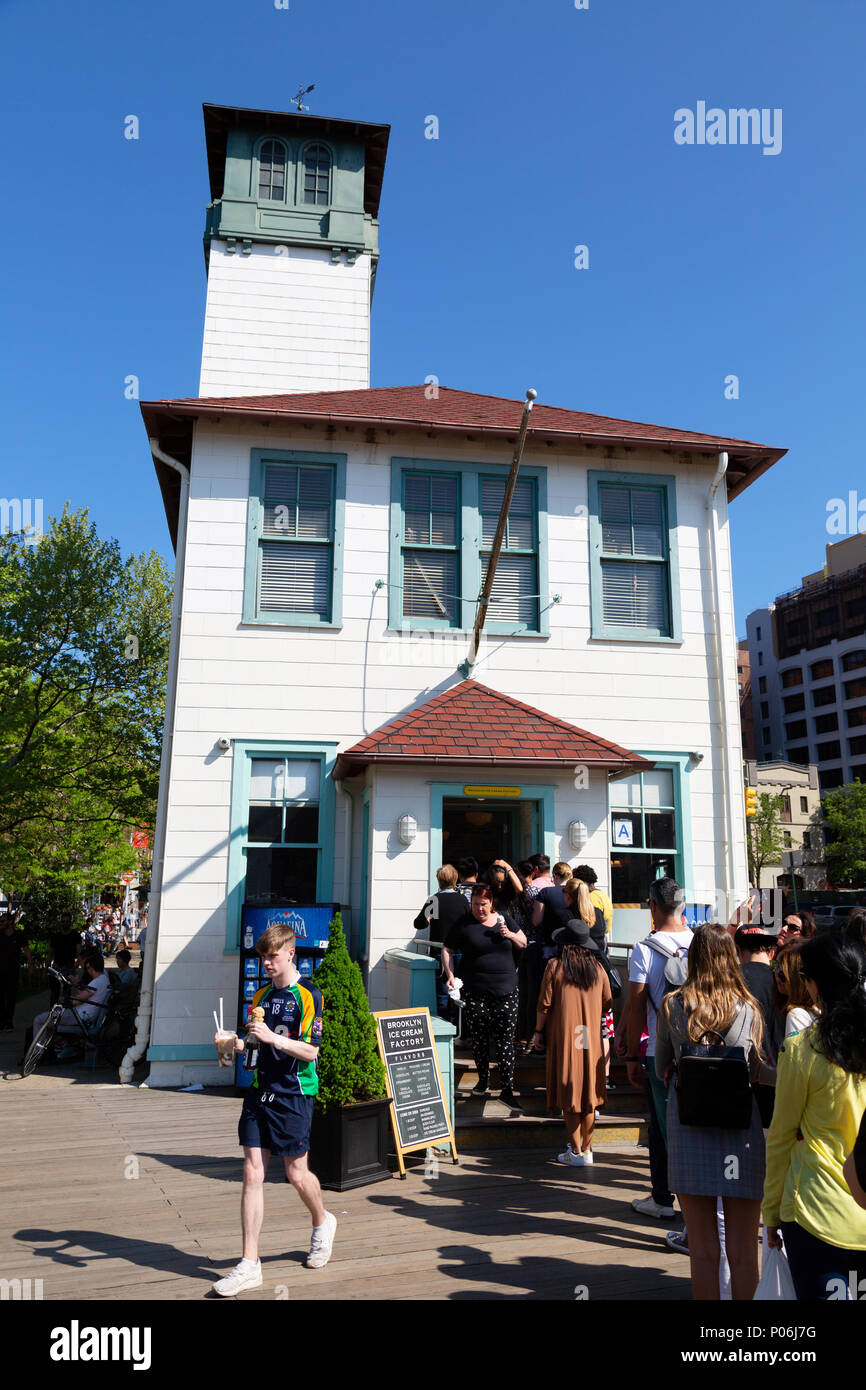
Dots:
pixel 751 801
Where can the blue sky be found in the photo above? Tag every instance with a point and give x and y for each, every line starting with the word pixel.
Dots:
pixel 556 130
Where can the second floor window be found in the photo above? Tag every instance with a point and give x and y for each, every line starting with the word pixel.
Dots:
pixel 294 550
pixel 431 549
pixel 297 540
pixel 634 558
pixel 515 585
pixel 443 528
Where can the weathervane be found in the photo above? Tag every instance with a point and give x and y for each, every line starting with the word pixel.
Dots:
pixel 302 92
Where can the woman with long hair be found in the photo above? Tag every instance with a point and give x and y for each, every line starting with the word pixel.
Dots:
pixel 575 994
pixel 820 1102
pixel 789 988
pixel 706 1163
pixel 578 896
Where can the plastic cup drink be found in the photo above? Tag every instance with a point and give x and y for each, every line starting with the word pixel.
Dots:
pixel 225 1041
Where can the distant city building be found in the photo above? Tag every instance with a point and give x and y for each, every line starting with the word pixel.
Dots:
pixel 744 683
pixel 807 654
pixel 801 822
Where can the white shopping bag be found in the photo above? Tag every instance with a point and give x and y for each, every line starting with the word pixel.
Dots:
pixel 776 1282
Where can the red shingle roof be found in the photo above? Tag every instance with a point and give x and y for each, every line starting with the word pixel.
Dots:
pixel 470 723
pixel 464 410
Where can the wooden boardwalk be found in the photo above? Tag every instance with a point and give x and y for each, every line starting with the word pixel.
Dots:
pixel 111 1192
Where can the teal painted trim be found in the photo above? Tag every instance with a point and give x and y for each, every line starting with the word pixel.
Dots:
pixel 182 1052
pixel 631 634
pixel 534 791
pixel 244 751
pixel 363 913
pixel 252 564
pixel 301 169
pixel 255 170
pixel 680 764
pixel 470 547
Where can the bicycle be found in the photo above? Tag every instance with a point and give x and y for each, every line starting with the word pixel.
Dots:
pixel 119 1011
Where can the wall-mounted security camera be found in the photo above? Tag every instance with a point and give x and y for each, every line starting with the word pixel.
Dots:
pixel 224 743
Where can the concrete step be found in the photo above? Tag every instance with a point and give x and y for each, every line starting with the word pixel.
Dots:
pixel 538 1131
pixel 628 1103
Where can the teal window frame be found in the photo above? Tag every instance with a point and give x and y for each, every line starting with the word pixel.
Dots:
pixel 542 792
pixel 301 174
pixel 681 766
pixel 257 169
pixel 469 547
pixel 259 458
pixel 601 631
pixel 245 750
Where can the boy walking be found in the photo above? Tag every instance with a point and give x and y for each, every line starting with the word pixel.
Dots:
pixel 278 1107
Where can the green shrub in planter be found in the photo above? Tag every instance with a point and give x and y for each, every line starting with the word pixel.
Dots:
pixel 348 1063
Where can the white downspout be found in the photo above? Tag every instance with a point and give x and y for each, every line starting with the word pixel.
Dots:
pixel 145 1008
pixel 724 762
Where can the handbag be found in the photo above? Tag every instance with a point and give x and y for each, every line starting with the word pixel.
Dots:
pixel 713 1087
pixel 613 976
pixel 776 1283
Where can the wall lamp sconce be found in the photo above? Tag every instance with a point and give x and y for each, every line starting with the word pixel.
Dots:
pixel 407 829
pixel 577 836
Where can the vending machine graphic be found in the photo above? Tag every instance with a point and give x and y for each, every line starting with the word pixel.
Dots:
pixel 310 924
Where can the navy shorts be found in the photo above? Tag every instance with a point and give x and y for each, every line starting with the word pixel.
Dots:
pixel 276 1122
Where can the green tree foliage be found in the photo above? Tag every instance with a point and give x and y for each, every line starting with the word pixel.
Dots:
pixel 349 1065
pixel 766 839
pixel 83 659
pixel 845 816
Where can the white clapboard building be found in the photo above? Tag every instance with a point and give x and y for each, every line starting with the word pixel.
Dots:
pixel 329 736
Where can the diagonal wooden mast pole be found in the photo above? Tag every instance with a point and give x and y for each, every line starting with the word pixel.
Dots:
pixel 487 589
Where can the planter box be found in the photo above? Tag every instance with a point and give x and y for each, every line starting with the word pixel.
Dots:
pixel 349 1145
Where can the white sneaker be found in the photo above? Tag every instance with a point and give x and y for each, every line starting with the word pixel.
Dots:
pixel 322 1243
pixel 243 1276
pixel 573 1160
pixel 648 1206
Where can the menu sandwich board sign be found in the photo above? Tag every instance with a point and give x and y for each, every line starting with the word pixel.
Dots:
pixel 419 1115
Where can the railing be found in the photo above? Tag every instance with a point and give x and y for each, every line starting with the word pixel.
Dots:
pixel 833 581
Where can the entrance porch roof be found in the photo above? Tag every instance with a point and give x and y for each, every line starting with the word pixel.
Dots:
pixel 472 724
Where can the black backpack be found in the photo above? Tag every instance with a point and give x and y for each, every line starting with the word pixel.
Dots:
pixel 714 1090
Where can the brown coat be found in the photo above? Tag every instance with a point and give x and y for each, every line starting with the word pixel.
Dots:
pixel 575 1055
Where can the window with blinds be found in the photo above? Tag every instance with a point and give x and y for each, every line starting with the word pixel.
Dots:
pixel 296 547
pixel 431 548
pixel 515 587
pixel 634 556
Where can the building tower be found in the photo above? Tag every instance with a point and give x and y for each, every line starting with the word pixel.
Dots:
pixel 291 248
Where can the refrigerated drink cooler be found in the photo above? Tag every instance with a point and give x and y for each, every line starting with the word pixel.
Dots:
pixel 310 925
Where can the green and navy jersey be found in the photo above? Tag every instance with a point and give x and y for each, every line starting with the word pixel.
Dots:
pixel 296 1012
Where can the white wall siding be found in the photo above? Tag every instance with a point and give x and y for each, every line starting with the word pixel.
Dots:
pixel 247 681
pixel 282 319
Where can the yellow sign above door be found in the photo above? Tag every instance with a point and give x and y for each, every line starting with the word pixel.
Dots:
pixel 493 791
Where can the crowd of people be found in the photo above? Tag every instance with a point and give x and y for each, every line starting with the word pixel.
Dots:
pixel 531 943
pixel 747 1041
pixel 78 952
pixel 773 1022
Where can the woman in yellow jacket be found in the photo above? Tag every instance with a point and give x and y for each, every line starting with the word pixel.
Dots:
pixel 820 1102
